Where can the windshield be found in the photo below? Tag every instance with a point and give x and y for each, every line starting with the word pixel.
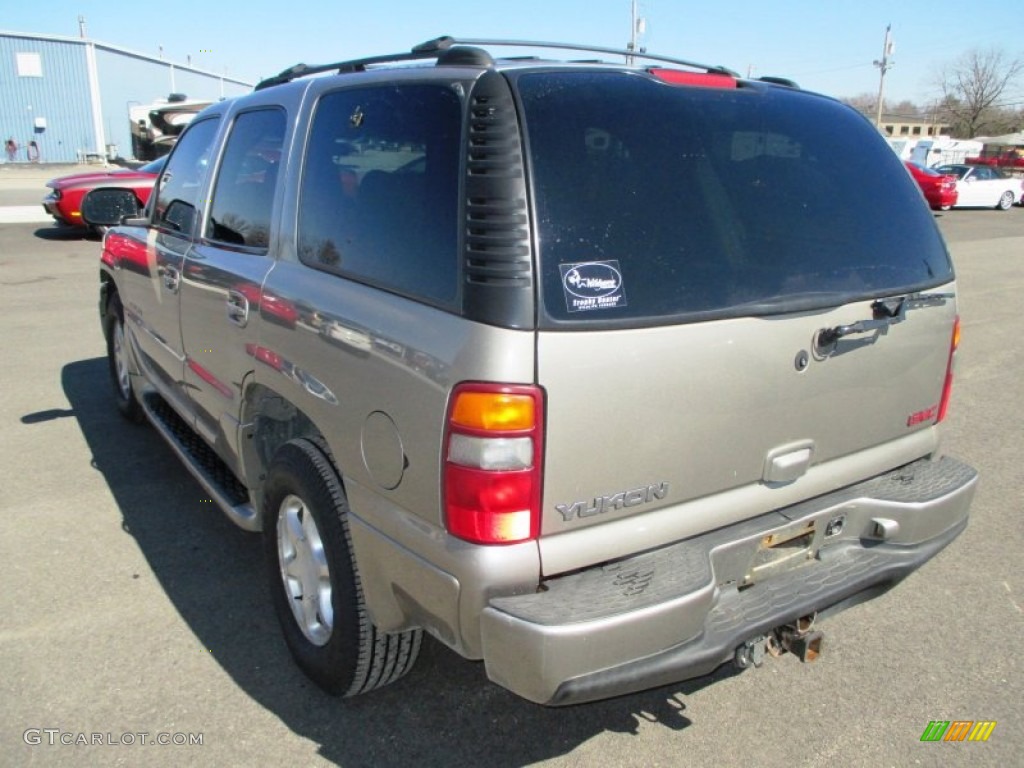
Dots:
pixel 655 200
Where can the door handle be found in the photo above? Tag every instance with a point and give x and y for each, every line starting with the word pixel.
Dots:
pixel 238 308
pixel 170 277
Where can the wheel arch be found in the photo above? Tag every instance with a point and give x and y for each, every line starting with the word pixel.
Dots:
pixel 268 421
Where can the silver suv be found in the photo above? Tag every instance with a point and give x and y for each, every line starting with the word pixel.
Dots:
pixel 604 374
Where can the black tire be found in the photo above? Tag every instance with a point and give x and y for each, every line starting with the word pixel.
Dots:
pixel 1005 201
pixel 117 361
pixel 343 652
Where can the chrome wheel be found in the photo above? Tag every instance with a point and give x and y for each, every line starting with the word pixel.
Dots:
pixel 124 382
pixel 1006 201
pixel 305 573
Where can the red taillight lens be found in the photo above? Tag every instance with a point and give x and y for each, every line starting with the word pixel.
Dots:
pixel 947 386
pixel 492 464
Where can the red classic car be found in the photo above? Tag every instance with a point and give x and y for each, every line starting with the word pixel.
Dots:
pixel 64 202
pixel 939 188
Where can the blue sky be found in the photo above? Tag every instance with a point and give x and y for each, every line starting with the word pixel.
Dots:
pixel 825 45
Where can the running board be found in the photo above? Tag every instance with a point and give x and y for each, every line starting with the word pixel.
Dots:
pixel 203 462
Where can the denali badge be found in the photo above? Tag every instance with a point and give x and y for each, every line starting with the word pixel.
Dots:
pixel 620 500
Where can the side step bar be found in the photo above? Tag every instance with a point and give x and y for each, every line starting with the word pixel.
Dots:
pixel 204 464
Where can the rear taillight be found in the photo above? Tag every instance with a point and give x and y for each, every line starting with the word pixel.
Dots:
pixel 947 386
pixel 493 447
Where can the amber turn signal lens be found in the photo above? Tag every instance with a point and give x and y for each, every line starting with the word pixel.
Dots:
pixel 493 411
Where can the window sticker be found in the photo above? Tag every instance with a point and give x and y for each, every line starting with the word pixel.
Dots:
pixel 592 285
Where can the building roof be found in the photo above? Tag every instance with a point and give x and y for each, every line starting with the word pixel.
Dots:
pixel 123 52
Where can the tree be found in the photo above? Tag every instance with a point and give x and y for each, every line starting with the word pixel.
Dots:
pixel 864 103
pixel 905 109
pixel 973 87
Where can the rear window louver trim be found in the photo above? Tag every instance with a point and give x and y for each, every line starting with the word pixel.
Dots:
pixel 498 255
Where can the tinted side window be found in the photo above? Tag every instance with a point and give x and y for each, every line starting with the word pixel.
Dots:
pixel 655 201
pixel 181 181
pixel 243 194
pixel 378 199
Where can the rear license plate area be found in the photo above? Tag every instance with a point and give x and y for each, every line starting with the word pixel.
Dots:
pixel 781 551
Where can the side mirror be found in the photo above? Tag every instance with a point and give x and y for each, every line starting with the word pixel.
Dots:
pixel 109 206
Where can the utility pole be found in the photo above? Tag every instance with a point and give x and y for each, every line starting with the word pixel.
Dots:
pixel 884 65
pixel 637 28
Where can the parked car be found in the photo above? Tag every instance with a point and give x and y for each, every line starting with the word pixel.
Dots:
pixel 604 402
pixel 64 202
pixel 939 188
pixel 981 186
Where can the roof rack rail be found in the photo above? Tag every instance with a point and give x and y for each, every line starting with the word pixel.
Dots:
pixel 779 81
pixel 435 48
pixel 441 43
pixel 353 65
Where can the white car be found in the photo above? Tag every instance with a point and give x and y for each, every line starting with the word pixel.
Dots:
pixel 979 186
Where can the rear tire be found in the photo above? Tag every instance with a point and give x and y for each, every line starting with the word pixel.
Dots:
pixel 314 584
pixel 1006 201
pixel 117 361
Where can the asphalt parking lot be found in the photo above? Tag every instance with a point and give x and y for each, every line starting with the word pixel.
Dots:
pixel 134 611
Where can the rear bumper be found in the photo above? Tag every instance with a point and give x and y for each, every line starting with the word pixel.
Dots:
pixel 681 611
pixel 938 200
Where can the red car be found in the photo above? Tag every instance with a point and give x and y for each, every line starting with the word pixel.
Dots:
pixel 65 200
pixel 939 188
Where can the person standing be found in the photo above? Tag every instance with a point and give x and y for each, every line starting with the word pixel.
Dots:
pixel 12 150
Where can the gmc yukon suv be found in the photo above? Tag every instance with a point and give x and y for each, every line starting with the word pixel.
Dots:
pixel 605 374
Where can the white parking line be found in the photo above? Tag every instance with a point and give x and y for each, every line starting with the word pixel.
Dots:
pixel 23 214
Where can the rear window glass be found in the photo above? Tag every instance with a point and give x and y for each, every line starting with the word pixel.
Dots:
pixel 654 200
pixel 379 194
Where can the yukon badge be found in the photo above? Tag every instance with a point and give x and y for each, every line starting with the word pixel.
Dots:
pixel 615 501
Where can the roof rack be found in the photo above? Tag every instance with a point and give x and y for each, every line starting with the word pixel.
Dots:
pixel 436 48
pixel 447 42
